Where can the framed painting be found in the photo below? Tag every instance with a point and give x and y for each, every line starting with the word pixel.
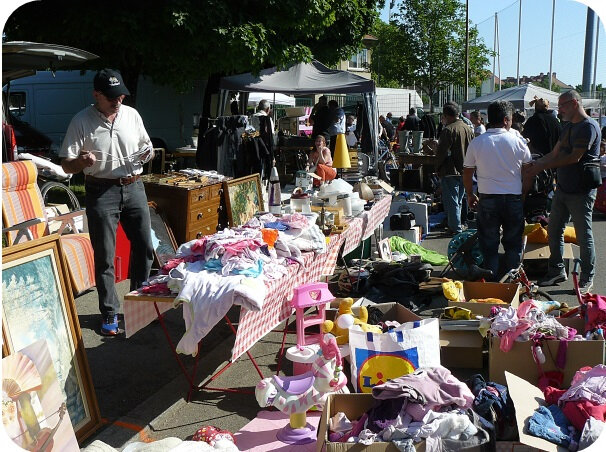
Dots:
pixel 163 240
pixel 37 304
pixel 243 199
pixel 34 411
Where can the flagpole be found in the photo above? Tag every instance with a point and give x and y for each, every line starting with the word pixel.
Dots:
pixel 551 49
pixel 519 39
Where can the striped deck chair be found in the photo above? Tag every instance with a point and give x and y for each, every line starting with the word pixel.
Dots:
pixel 24 218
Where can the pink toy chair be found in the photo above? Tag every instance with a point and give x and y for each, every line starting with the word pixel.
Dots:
pixel 307 296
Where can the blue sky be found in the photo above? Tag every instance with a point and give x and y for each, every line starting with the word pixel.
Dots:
pixel 569 35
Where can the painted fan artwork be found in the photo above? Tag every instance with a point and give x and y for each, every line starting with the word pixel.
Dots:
pixel 34 413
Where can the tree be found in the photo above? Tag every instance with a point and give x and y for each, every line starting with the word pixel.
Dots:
pixel 428 39
pixel 179 41
pixel 544 83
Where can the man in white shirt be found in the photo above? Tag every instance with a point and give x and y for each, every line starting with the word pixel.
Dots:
pixel 497 157
pixel 108 142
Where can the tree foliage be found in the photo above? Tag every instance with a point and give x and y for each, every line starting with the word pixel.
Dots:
pixel 424 45
pixel 179 41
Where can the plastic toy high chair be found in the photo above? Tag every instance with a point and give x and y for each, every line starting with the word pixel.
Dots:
pixel 307 296
pixel 295 395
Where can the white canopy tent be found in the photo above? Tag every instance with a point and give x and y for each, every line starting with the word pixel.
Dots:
pixel 280 99
pixel 309 78
pixel 520 96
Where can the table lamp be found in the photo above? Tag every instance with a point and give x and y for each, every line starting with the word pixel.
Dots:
pixel 341 159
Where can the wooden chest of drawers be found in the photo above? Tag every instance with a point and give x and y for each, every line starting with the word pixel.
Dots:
pixel 191 212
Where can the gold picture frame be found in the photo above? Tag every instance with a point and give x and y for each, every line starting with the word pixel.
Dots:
pixel 243 199
pixel 38 303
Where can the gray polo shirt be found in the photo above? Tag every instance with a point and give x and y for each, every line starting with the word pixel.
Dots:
pixel 116 146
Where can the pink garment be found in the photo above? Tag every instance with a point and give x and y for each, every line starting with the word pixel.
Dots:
pixel 596 312
pixel 591 386
pixel 158 288
pixel 296 220
pixel 510 336
pixel 173 263
pixel 436 384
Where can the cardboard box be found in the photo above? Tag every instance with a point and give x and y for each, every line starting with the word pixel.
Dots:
pixel 536 255
pixel 461 349
pixel 391 311
pixel 413 234
pixel 526 399
pixel 354 406
pixel 508 292
pixel 519 359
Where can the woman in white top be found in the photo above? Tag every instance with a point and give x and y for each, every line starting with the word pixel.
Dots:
pixel 478 123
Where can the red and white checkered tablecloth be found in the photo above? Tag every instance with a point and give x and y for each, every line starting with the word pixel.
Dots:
pixel 276 308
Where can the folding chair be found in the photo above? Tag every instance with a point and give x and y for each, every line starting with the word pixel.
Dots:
pixel 24 218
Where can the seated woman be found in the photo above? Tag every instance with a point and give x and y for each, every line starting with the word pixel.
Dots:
pixel 320 161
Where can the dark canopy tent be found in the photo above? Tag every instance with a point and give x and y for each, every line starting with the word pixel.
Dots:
pixel 308 78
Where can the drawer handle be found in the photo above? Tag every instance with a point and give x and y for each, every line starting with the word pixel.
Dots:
pixel 209 210
pixel 208 228
pixel 198 235
pixel 200 215
pixel 220 191
pixel 200 197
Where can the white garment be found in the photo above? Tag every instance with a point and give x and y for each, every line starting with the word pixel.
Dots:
pixel 255 122
pixel 479 130
pixel 207 297
pixel 498 157
pixel 117 146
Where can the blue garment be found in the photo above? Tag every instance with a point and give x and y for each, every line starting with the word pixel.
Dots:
pixel 550 424
pixel 579 206
pixel 495 211
pixel 277 225
pixel 338 122
pixel 251 271
pixel 453 193
pixel 213 265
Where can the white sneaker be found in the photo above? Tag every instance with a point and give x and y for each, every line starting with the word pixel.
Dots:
pixel 585 287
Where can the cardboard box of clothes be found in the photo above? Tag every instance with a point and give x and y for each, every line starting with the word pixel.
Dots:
pixel 509 293
pixel 527 398
pixel 354 406
pixel 519 359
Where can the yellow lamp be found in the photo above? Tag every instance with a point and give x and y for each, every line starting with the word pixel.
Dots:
pixel 341 159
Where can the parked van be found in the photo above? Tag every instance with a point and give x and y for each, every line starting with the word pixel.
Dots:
pixel 48 102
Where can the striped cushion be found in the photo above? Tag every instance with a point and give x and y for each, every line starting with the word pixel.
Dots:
pixel 21 198
pixel 78 253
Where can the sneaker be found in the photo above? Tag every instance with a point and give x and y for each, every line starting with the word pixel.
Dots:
pixel 585 287
pixel 109 326
pixel 552 280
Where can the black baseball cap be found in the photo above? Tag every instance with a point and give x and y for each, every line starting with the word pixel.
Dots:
pixel 110 83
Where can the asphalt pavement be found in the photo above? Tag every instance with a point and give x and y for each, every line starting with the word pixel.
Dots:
pixel 141 390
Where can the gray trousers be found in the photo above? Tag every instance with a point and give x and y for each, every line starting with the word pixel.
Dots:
pixel 105 206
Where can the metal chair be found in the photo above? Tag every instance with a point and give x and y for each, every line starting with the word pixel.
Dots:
pixel 24 218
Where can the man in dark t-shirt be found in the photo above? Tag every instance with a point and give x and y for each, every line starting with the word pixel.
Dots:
pixel 579 143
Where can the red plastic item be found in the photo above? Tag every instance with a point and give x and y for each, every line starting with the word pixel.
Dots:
pixel 122 259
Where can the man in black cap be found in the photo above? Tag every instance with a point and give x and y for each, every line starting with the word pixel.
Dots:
pixel 109 143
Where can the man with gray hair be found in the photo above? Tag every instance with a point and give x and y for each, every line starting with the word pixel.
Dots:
pixel 497 157
pixel 264 109
pixel 574 157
